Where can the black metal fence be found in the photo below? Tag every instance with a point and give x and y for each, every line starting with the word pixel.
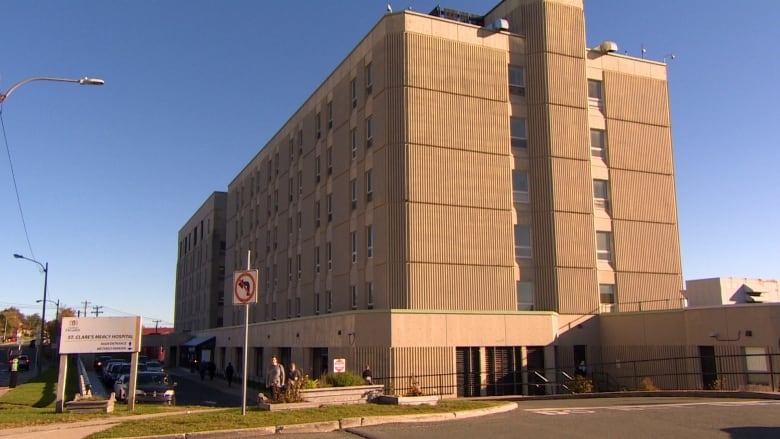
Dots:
pixel 754 372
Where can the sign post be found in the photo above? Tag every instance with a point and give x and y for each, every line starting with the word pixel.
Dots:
pixel 99 335
pixel 244 293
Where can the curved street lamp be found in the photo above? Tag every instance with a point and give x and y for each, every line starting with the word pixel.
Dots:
pixel 83 81
pixel 45 268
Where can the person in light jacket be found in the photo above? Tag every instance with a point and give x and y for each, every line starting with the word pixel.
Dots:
pixel 274 378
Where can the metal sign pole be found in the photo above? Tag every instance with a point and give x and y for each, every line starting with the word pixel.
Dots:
pixel 246 341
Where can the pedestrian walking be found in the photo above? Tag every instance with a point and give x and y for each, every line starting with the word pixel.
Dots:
pixel 229 373
pixel 293 376
pixel 212 370
pixel 14 372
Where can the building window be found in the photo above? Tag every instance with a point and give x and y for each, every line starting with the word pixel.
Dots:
pixel 298 306
pixel 518 133
pixel 289 225
pixel 289 269
pixel 369 78
pixel 299 217
pixel 370 241
pixel 317 302
pixel 330 207
pixel 756 365
pixel 317 168
pixel 270 169
pixel 268 205
pixel 520 186
pixel 353 296
pixel 329 299
pixel 290 188
pixel 316 214
pixel 516 81
pixel 369 132
pixel 604 246
pixel 353 192
pixel 595 94
pixel 292 150
pixel 601 194
pixel 606 294
pixel 330 160
pixel 276 163
pixel 369 185
pixel 276 200
pixel 354 92
pixel 522 241
pixel 300 182
pixel 330 114
pixel 525 296
pixel 370 295
pixel 298 265
pixel 353 135
pixel 318 125
pixel 317 259
pixel 598 144
pixel 329 251
pixel 353 237
pixel 289 308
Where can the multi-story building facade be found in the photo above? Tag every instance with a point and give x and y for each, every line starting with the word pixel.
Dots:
pixel 456 196
pixel 200 268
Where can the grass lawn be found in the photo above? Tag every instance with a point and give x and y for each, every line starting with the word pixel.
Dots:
pixel 33 403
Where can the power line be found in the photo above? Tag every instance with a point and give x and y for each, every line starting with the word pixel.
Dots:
pixel 97 310
pixel 16 187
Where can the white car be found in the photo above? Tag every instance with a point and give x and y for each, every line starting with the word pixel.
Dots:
pixel 120 387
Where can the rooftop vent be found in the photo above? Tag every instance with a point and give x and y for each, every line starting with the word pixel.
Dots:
pixel 499 24
pixel 608 47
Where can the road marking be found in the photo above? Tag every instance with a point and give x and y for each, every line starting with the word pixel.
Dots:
pixel 561 411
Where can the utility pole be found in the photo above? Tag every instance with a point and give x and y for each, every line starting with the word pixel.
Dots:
pixel 97 310
pixel 156 323
pixel 86 304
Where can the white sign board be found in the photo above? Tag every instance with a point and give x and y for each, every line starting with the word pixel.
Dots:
pixel 339 365
pixel 245 287
pixel 100 334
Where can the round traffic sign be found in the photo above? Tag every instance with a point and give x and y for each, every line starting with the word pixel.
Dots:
pixel 245 287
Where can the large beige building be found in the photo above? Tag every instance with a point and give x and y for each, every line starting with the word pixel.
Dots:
pixel 459 200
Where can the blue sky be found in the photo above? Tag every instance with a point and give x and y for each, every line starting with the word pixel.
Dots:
pixel 107 175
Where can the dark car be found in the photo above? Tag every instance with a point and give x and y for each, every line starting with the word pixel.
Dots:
pixel 154 387
pixel 100 362
pixel 24 363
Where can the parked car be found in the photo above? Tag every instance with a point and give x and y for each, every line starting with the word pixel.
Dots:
pixel 120 387
pixel 110 372
pixel 100 362
pixel 154 387
pixel 24 363
pixel 154 366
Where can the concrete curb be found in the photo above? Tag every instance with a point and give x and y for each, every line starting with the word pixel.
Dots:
pixel 629 394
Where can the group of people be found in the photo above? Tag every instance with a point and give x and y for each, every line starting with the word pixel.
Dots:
pixel 211 368
pixel 276 379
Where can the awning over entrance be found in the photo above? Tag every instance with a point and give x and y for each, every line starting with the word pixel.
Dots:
pixel 198 341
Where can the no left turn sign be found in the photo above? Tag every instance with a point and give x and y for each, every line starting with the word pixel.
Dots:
pixel 245 287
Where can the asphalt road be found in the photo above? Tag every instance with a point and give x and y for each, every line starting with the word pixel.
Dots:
pixel 635 418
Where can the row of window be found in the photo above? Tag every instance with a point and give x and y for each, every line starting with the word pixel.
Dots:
pixel 525 295
pixel 297 267
pixel 523 249
pixel 269 309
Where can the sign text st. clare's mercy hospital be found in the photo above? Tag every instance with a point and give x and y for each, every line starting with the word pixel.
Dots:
pixel 100 334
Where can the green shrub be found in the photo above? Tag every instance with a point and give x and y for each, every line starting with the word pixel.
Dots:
pixel 647 385
pixel 346 379
pixel 580 384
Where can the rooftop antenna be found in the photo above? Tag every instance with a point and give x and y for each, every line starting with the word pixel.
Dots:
pixel 671 56
pixel 389 8
pixel 644 51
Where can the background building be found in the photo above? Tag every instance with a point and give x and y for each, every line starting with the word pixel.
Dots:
pixel 730 290
pixel 200 268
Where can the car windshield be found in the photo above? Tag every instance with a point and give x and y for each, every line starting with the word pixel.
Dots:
pixel 152 378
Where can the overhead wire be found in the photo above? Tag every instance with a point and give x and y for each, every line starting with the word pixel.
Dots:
pixel 16 186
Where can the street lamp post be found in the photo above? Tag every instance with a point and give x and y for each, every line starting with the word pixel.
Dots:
pixel 45 268
pixel 82 81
